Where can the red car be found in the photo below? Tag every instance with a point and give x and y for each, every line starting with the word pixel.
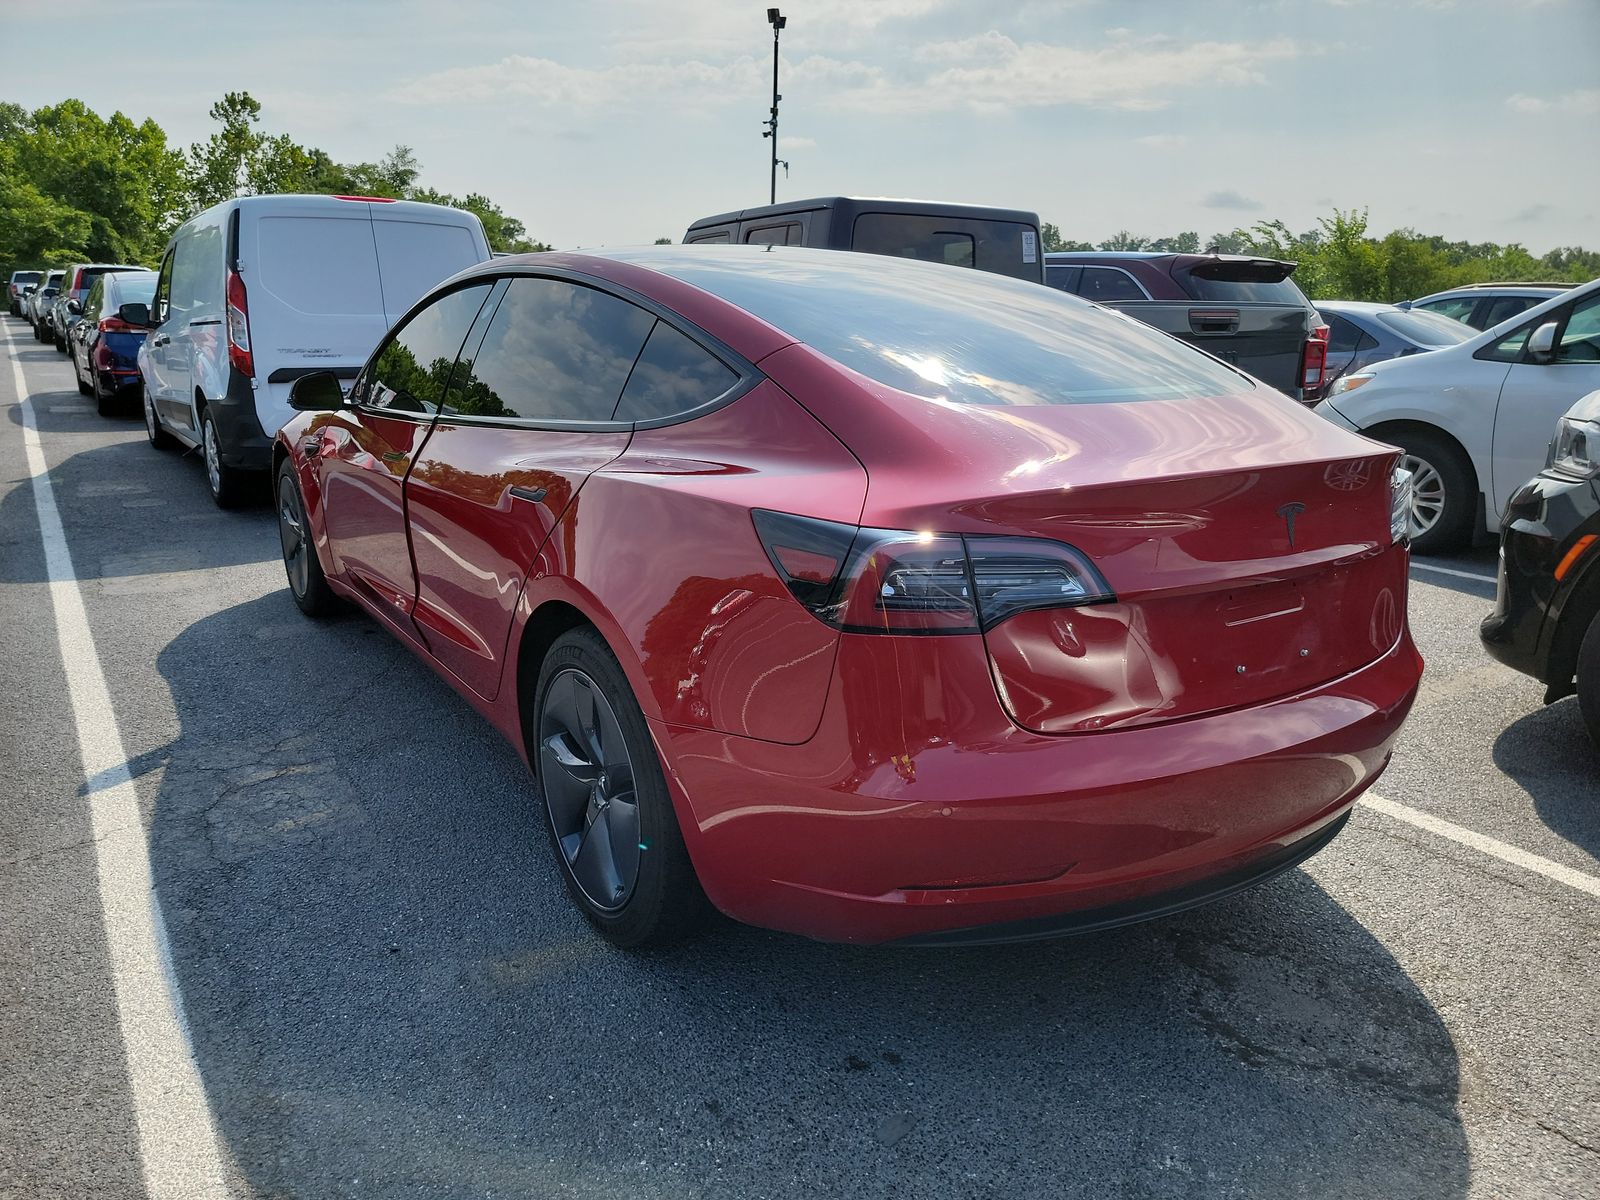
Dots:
pixel 871 599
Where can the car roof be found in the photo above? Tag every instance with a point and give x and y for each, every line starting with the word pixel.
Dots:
pixel 1188 260
pixel 1364 308
pixel 1491 290
pixel 883 204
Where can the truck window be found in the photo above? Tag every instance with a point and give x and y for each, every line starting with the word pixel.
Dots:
pixel 716 235
pixel 1002 247
pixel 787 234
pixel 1106 285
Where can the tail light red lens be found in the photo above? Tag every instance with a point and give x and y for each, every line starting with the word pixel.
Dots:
pixel 905 582
pixel 239 326
pixel 1314 360
pixel 117 325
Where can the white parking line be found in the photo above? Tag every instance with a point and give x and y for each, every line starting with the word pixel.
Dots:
pixel 1422 566
pixel 1588 884
pixel 177 1137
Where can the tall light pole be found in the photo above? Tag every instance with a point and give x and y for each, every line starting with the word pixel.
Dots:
pixel 777 20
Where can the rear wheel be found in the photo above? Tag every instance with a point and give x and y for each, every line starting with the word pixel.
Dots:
pixel 230 487
pixel 1442 492
pixel 1589 679
pixel 307 584
pixel 607 809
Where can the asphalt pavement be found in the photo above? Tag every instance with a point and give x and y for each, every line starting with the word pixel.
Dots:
pixel 364 945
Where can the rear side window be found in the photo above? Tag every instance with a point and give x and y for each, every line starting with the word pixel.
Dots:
pixel 1507 307
pixel 1104 285
pixel 554 351
pixel 774 235
pixel 1003 247
pixel 415 257
pixel 1064 278
pixel 412 372
pixel 720 235
pixel 673 375
pixel 1580 339
pixel 322 266
pixel 1458 308
pixel 1343 336
pixel 1240 283
pixel 94 301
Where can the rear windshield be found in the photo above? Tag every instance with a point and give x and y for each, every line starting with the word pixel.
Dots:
pixel 1004 247
pixel 963 337
pixel 1426 328
pixel 88 275
pixel 25 277
pixel 136 289
pixel 321 266
pixel 1239 283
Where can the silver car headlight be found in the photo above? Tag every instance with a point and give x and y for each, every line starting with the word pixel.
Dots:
pixel 1399 504
pixel 1576 451
pixel 1349 383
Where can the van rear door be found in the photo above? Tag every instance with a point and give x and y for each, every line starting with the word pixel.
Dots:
pixel 419 247
pixel 316 301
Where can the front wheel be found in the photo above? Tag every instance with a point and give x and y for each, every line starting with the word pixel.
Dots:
pixel 1589 680
pixel 607 808
pixel 1442 493
pixel 154 430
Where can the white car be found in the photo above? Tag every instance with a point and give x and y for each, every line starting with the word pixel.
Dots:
pixel 258 291
pixel 1475 420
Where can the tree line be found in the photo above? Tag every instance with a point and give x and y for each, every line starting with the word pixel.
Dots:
pixel 76 186
pixel 1341 260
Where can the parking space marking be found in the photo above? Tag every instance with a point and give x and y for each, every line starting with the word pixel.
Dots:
pixel 177 1137
pixel 1504 851
pixel 1422 566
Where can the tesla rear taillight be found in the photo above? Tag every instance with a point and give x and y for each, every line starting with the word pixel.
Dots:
pixel 239 326
pixel 1314 360
pixel 908 582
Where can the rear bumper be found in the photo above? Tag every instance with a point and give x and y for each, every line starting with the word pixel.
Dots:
pixel 918 812
pixel 243 443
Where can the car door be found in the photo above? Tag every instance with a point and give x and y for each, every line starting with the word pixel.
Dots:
pixel 158 379
pixel 1536 394
pixel 363 453
pixel 531 417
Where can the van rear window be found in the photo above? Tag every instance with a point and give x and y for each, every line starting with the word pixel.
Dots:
pixel 413 256
pixel 325 266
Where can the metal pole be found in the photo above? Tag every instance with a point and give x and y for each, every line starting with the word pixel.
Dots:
pixel 772 197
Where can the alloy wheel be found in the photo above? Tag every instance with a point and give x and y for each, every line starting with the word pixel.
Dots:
pixel 587 778
pixel 213 457
pixel 1427 495
pixel 292 533
pixel 151 428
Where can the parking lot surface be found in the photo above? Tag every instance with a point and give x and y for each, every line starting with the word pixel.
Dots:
pixel 386 992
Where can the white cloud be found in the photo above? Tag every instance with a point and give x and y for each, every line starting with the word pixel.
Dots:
pixel 1581 100
pixel 1232 201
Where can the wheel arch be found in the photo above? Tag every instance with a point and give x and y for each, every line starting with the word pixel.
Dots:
pixel 1580 607
pixel 1384 430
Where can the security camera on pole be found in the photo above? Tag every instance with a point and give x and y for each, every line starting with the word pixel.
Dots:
pixel 777 20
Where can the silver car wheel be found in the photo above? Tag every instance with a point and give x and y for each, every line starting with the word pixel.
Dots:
pixel 1427 494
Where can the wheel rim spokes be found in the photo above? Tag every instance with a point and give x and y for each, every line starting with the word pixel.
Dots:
pixel 213 466
pixel 291 532
pixel 1427 494
pixel 586 775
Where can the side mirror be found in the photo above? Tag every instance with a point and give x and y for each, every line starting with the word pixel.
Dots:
pixel 1542 342
pixel 134 313
pixel 75 308
pixel 316 392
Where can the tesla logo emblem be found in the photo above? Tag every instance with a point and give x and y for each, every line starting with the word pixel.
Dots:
pixel 1289 512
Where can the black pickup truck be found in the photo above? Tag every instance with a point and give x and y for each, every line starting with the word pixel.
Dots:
pixel 1245 311
pixel 1002 240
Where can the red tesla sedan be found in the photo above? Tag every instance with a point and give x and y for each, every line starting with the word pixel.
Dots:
pixel 871 599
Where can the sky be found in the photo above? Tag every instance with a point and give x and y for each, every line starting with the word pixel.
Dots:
pixel 610 122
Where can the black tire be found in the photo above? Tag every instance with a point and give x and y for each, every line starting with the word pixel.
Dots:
pixel 307 584
pixel 230 487
pixel 105 403
pixel 1589 680
pixel 61 342
pixel 85 389
pixel 1452 528
pixel 154 431
pixel 665 904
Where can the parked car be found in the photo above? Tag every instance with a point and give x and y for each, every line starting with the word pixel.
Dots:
pixel 1546 619
pixel 37 308
pixel 1169 603
pixel 1002 240
pixel 257 291
pixel 1482 305
pixel 1474 419
pixel 1361 334
pixel 14 288
pixel 1245 311
pixel 67 309
pixel 105 344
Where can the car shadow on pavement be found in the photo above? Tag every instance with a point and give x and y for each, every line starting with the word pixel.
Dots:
pixel 102 492
pixel 389 992
pixel 1549 754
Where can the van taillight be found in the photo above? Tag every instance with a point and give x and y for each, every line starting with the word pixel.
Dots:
pixel 906 582
pixel 1314 360
pixel 239 326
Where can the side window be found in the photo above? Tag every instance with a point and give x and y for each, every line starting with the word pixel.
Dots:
pixel 1345 338
pixel 95 301
pixel 720 235
pixel 555 350
pixel 1508 348
pixel 1103 284
pixel 1580 340
pixel 673 375
pixel 162 304
pixel 1458 308
pixel 185 278
pixel 1066 278
pixel 774 235
pixel 412 372
pixel 1505 308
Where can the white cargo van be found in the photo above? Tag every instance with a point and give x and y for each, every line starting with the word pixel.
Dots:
pixel 258 291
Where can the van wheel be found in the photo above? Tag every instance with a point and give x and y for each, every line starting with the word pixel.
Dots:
pixel 230 487
pixel 1442 493
pixel 154 430
pixel 1589 679
pixel 606 804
